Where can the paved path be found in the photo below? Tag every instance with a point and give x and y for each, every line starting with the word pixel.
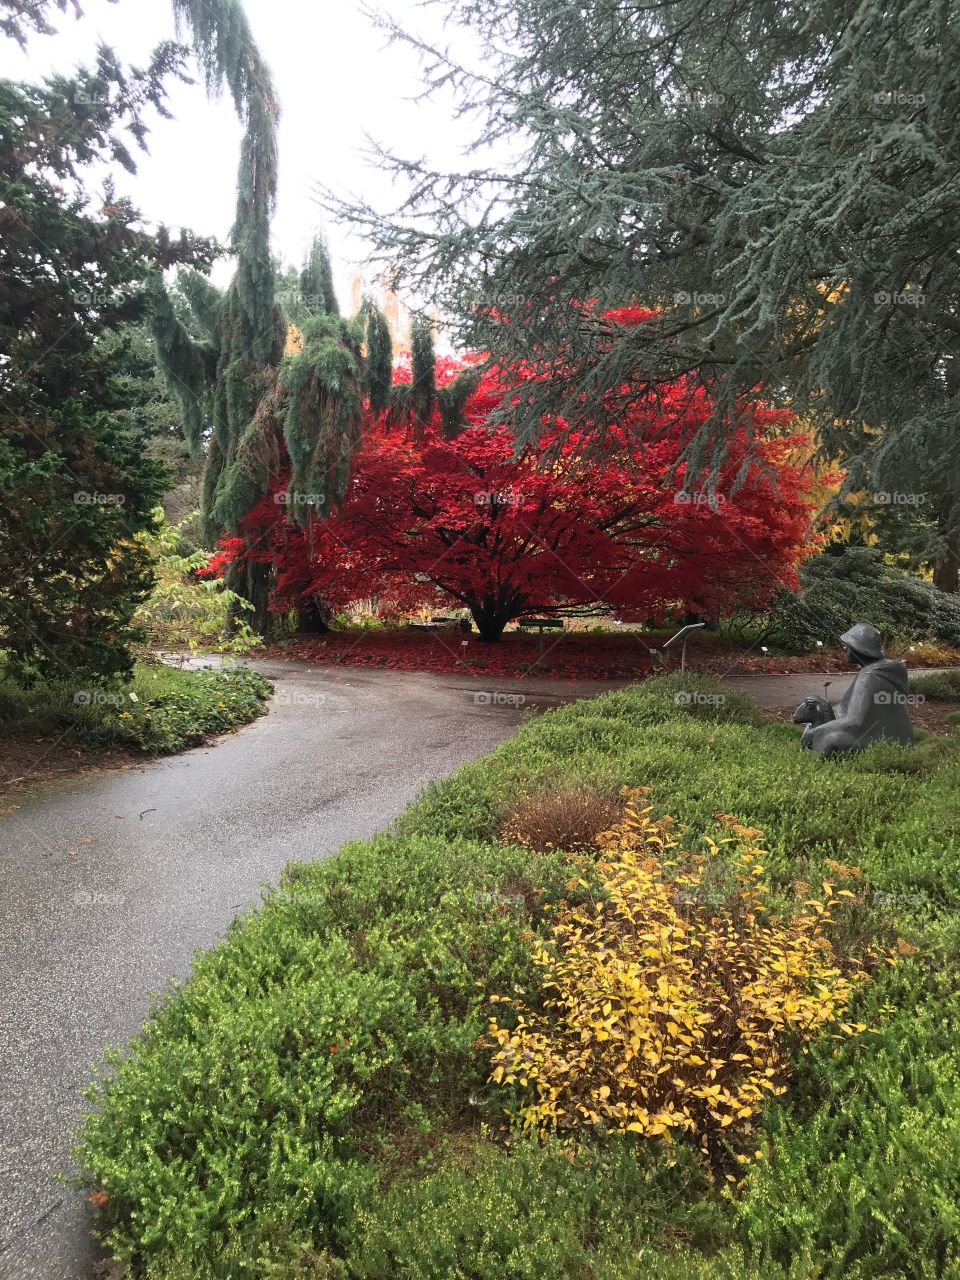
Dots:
pixel 790 690
pixel 110 884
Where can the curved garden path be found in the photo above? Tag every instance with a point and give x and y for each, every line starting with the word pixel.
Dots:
pixel 110 883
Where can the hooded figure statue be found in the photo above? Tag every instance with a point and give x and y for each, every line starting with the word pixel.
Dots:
pixel 874 707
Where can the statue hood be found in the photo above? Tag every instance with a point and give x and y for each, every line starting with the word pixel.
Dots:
pixel 892 672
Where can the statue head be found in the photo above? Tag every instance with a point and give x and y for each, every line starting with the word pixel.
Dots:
pixel 862 643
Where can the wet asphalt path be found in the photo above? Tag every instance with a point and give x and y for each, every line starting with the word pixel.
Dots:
pixel 790 690
pixel 111 882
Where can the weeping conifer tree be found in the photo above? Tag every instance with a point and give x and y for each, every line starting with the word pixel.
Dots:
pixel 320 402
pixel 316 281
pixel 222 378
pixel 423 377
pixel 412 403
pixel 379 358
pixel 452 400
pixel 321 388
pixel 223 359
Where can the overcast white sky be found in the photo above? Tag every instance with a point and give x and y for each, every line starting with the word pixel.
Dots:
pixel 336 81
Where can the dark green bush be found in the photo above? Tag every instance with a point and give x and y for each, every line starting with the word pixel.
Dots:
pixel 862 1175
pixel 857 585
pixel 940 686
pixel 533 1211
pixel 310 1040
pixel 173 716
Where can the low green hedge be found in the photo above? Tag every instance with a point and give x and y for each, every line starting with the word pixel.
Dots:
pixel 183 711
pixel 939 686
pixel 894 812
pixel 313 1100
pixel 161 710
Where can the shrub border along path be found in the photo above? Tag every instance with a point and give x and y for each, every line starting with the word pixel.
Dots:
pixel 313 1102
pixel 56 728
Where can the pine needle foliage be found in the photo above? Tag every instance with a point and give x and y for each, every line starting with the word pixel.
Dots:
pixel 228 55
pixel 222 353
pixel 203 303
pixel 26 16
pixel 304 291
pixel 779 182
pixel 323 386
pixel 423 369
pixel 452 401
pixel 221 379
pixel 77 483
pixel 188 366
pixel 378 363
pixel 316 280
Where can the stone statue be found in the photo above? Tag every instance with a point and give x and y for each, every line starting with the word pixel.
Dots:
pixel 874 707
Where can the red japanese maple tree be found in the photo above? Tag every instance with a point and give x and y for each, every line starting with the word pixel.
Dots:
pixel 428 519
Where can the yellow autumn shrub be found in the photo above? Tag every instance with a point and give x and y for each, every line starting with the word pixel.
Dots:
pixel 674 1001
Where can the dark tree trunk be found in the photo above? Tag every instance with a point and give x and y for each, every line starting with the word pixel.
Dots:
pixel 312 617
pixel 693 616
pixel 946 571
pixel 253 583
pixel 490 621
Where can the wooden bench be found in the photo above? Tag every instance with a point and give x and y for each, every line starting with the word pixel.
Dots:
pixel 434 623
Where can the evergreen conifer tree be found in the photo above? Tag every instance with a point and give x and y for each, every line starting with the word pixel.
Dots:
pixel 225 365
pixel 322 388
pixel 76 486
pixel 423 373
pixel 379 355
pixel 778 181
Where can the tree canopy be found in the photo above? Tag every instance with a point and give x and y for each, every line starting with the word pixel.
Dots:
pixel 434 515
pixel 778 181
pixel 75 486
pixel 70 276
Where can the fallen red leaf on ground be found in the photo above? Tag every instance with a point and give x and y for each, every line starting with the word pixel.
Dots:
pixel 572 655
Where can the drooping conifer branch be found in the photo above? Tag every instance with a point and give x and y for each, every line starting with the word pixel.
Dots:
pixel 224 363
pixel 323 382
pixel 378 364
pixel 423 375
pixel 228 54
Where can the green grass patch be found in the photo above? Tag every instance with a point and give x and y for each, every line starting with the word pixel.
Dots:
pixel 162 709
pixel 313 1101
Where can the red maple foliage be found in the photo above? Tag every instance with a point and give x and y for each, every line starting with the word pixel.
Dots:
pixel 469 521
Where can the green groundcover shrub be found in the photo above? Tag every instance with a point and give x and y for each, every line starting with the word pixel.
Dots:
pixel 939 686
pixel 162 709
pixel 313 1101
pixel 856 585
